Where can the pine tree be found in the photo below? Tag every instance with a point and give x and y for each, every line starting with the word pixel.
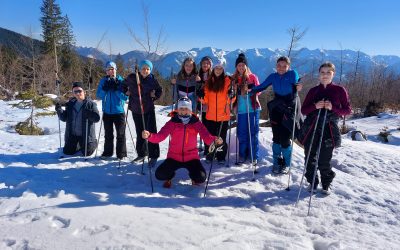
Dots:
pixel 51 22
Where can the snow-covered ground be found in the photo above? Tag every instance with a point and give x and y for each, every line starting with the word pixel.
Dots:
pixel 52 203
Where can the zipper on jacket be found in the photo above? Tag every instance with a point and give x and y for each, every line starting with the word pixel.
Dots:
pixel 183 143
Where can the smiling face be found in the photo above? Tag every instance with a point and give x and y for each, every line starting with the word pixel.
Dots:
pixel 145 71
pixel 79 93
pixel 282 67
pixel 205 65
pixel 241 68
pixel 218 70
pixel 184 111
pixel 326 75
pixel 111 72
pixel 188 67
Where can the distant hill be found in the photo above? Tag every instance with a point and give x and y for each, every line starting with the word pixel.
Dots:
pixel 18 42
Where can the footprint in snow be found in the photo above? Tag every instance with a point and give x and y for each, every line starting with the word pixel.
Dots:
pixel 59 222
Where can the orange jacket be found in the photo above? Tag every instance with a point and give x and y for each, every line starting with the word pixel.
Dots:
pixel 218 103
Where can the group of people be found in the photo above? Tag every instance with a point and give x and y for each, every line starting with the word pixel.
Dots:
pixel 205 102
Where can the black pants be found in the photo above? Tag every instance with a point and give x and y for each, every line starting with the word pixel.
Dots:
pixel 324 166
pixel 213 128
pixel 166 171
pixel 151 126
pixel 77 143
pixel 119 121
pixel 280 134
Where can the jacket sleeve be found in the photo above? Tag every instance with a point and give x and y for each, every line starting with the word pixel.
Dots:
pixel 296 77
pixel 204 134
pixel 100 93
pixel 93 112
pixel 264 85
pixel 162 134
pixel 120 92
pixel 345 108
pixel 308 104
pixel 63 114
pixel 158 89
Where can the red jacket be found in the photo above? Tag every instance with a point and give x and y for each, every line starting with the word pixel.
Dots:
pixel 183 144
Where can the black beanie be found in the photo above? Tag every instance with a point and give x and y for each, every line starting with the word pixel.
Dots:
pixel 77 84
pixel 241 59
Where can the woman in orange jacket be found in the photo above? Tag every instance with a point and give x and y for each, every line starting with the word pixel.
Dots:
pixel 218 100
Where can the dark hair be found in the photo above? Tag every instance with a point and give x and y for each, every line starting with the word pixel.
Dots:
pixel 328 65
pixel 182 73
pixel 216 83
pixel 283 59
pixel 201 72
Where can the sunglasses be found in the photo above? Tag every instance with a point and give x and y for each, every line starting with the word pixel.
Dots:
pixel 77 91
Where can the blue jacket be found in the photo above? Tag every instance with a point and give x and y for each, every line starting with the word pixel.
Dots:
pixel 282 84
pixel 113 100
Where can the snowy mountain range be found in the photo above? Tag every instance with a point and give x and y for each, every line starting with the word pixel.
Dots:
pixel 261 60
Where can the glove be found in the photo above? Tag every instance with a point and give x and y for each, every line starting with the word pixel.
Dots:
pixel 114 84
pixel 58 106
pixel 106 86
pixel 200 93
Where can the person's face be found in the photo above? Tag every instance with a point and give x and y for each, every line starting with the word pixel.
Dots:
pixel 111 72
pixel 326 75
pixel 78 93
pixel 188 67
pixel 184 111
pixel 218 70
pixel 282 67
pixel 205 65
pixel 145 71
pixel 241 67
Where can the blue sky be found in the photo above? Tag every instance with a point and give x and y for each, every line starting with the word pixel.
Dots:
pixel 371 26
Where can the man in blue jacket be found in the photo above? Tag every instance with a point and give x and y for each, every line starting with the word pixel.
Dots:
pixel 113 102
pixel 285 83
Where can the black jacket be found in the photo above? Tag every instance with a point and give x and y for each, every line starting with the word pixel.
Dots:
pixel 148 85
pixel 89 113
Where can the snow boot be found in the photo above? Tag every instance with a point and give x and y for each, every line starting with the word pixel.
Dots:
pixel 286 153
pixel 276 154
pixel 326 190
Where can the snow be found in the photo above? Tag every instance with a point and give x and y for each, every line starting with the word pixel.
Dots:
pixel 52 203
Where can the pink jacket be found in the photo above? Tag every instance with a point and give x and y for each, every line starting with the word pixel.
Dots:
pixel 183 144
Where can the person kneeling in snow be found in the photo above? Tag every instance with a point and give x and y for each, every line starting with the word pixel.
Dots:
pixel 182 153
pixel 80 114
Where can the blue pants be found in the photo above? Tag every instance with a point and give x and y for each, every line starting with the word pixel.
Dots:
pixel 243 134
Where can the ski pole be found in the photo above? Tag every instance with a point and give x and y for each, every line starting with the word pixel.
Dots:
pixel 316 161
pixel 291 152
pixel 308 156
pixel 101 124
pixel 212 160
pixel 144 126
pixel 230 132
pixel 129 128
pixel 248 126
pixel 86 138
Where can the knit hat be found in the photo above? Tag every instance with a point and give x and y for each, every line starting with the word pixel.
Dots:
pixel 241 59
pixel 77 84
pixel 206 58
pixel 219 63
pixel 111 64
pixel 184 102
pixel 147 63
